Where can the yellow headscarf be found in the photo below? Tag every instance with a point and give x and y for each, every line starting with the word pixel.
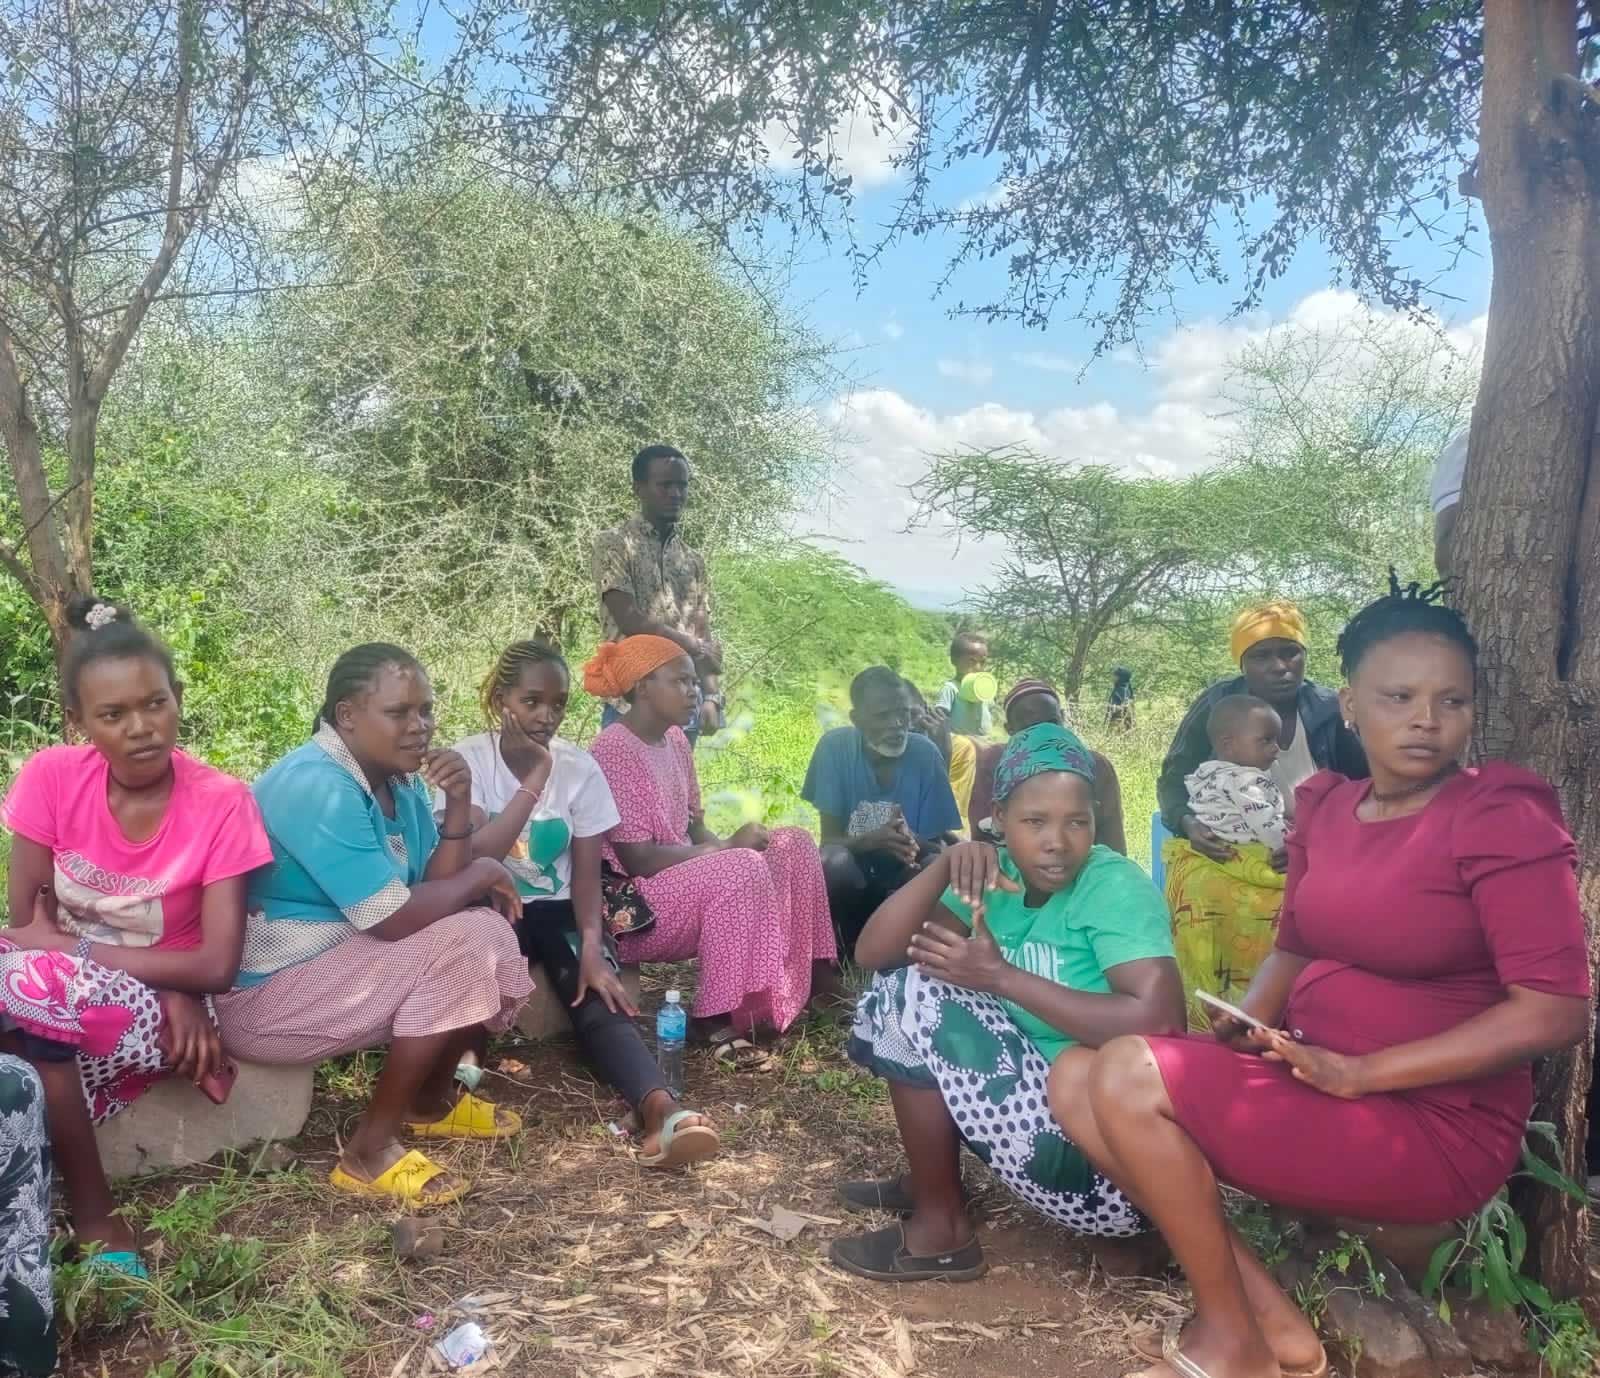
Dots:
pixel 1263 622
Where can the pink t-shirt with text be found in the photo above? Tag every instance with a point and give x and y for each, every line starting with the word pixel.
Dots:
pixel 135 894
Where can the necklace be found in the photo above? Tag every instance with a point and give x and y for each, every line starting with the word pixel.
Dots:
pixel 1394 796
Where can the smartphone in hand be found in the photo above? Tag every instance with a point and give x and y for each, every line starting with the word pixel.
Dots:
pixel 1221 1006
pixel 216 1086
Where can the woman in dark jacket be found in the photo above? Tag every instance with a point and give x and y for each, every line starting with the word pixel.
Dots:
pixel 1269 644
pixel 1225 901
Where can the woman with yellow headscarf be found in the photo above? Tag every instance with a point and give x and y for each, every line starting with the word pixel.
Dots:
pixel 1225 898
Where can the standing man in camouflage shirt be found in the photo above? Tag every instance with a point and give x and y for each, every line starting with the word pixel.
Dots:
pixel 651 583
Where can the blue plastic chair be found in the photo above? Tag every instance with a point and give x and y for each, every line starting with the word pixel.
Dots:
pixel 1158 835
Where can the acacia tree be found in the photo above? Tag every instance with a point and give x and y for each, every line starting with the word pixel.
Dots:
pixel 1127 140
pixel 149 153
pixel 490 366
pixel 1319 490
pixel 1089 551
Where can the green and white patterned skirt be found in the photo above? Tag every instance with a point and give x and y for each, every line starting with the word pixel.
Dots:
pixel 923 1032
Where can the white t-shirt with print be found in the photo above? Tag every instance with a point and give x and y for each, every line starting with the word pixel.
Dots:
pixel 575 802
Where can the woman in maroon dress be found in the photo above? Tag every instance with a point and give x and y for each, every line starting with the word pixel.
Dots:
pixel 1430 948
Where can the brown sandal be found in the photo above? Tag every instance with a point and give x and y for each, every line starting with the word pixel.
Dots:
pixel 1160 1343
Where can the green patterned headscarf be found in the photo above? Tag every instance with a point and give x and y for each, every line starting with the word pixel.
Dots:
pixel 1036 750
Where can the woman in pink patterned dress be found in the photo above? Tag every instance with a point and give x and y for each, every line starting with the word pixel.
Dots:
pixel 753 908
pixel 126 892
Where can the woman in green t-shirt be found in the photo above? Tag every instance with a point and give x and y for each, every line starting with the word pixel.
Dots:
pixel 1014 956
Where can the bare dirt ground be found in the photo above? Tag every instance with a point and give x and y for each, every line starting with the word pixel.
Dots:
pixel 581 1264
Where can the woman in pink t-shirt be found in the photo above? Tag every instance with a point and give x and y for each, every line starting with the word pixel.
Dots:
pixel 127 895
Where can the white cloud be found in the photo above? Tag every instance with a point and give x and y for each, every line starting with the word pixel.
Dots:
pixel 1049 363
pixel 885 440
pixel 966 370
pixel 893 329
pixel 993 198
pixel 864 145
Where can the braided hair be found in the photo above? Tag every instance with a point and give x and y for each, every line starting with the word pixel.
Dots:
pixel 106 631
pixel 1403 610
pixel 507 670
pixel 356 672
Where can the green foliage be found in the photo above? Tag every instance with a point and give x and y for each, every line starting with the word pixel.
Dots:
pixel 227 1303
pixel 492 362
pixel 183 531
pixel 1486 1257
pixel 1321 491
pixel 800 614
pixel 1090 552
pixel 1127 143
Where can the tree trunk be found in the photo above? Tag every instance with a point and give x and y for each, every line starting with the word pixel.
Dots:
pixel 48 576
pixel 1530 524
pixel 1078 662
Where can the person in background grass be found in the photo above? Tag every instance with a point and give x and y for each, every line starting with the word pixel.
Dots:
pixel 27 1306
pixel 126 891
pixel 541 805
pixel 960 753
pixel 1431 947
pixel 1033 701
pixel 752 908
pixel 369 928
pixel 1015 956
pixel 1119 707
pixel 883 795
pixel 1268 644
pixel 969 653
pixel 652 584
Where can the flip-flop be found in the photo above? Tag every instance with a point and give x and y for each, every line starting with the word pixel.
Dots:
pixel 122 1262
pixel 882 1256
pixel 737 1053
pixel 1160 1343
pixel 471 1118
pixel 679 1147
pixel 403 1182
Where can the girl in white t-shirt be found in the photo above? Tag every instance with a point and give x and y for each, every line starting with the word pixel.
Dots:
pixel 541 805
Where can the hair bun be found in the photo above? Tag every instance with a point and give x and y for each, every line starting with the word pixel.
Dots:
pixel 87 613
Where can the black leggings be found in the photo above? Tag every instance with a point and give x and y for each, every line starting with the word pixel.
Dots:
pixel 609 1042
pixel 857 885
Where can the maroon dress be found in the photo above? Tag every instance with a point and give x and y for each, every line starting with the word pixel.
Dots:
pixel 1413 925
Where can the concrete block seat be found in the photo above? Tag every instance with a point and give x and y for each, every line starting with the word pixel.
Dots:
pixel 172 1124
pixel 544 1016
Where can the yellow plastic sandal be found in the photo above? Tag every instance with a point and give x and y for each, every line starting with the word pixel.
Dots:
pixel 405 1182
pixel 471 1118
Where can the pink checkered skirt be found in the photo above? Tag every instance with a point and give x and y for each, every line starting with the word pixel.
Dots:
pixel 462 970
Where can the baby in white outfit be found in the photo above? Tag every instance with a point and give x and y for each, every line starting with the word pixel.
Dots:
pixel 1234 793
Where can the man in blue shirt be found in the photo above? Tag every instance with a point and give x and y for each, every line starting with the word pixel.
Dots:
pixel 883 793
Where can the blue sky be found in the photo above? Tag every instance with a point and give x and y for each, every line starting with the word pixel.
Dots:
pixel 922 380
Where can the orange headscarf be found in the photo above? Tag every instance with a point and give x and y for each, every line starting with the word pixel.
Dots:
pixel 619 665
pixel 1263 622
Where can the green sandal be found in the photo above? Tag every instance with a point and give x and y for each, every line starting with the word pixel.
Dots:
pixel 121 1262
